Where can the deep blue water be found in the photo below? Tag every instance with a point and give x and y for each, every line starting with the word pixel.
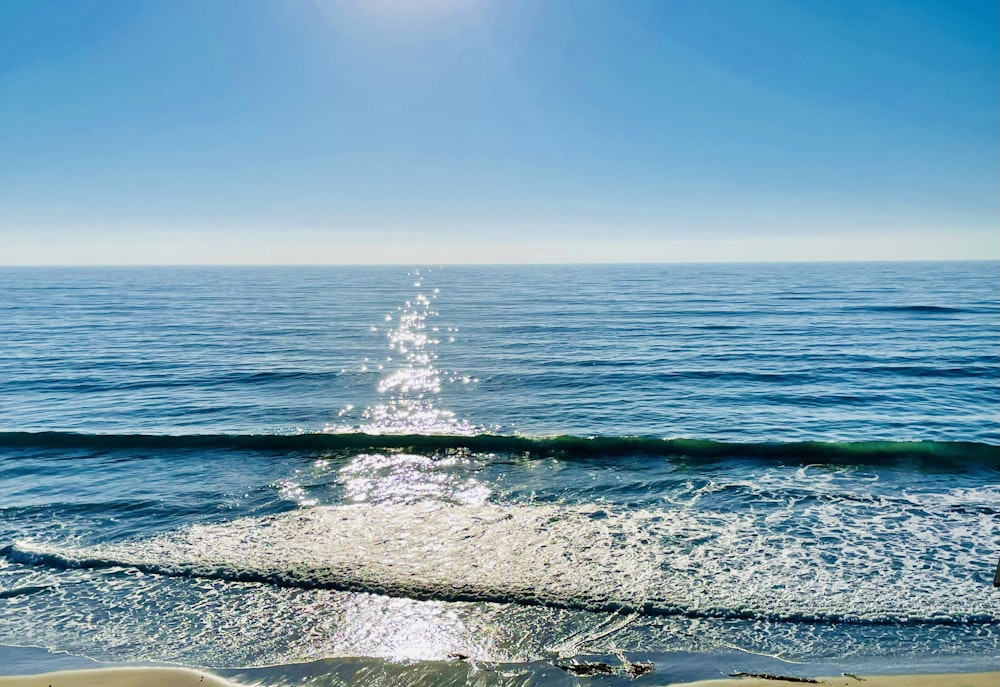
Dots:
pixel 710 467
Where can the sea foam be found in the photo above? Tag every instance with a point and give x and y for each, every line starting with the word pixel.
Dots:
pixel 816 563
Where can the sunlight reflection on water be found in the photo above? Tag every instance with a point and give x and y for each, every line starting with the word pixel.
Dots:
pixel 411 381
pixel 407 478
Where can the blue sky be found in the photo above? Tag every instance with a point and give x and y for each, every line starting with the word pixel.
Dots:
pixel 468 131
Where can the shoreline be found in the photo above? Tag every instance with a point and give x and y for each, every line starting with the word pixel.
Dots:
pixel 155 676
pixel 987 679
pixel 33 666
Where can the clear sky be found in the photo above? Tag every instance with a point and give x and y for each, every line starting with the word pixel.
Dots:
pixel 470 131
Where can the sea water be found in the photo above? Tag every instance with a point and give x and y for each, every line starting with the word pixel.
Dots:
pixel 482 475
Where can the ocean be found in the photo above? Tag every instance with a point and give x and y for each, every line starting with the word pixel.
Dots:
pixel 486 475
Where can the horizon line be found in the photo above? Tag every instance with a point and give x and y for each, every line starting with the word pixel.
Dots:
pixel 501 264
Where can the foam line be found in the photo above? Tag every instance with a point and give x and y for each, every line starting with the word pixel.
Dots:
pixel 652 562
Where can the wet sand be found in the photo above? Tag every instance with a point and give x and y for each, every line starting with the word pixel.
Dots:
pixel 186 677
pixel 990 679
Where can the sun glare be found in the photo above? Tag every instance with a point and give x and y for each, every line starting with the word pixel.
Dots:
pixel 414 9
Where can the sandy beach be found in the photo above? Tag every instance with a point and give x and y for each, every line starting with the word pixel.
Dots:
pixel 186 677
pixel 119 677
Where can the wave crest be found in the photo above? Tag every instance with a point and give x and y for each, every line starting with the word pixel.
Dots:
pixel 938 453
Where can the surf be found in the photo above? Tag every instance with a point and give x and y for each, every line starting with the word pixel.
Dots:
pixel 655 562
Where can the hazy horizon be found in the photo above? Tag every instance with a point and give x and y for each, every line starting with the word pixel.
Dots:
pixel 439 265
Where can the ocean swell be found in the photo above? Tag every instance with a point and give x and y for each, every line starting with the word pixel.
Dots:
pixel 931 453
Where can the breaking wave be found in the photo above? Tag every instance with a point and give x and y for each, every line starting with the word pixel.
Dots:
pixel 655 562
